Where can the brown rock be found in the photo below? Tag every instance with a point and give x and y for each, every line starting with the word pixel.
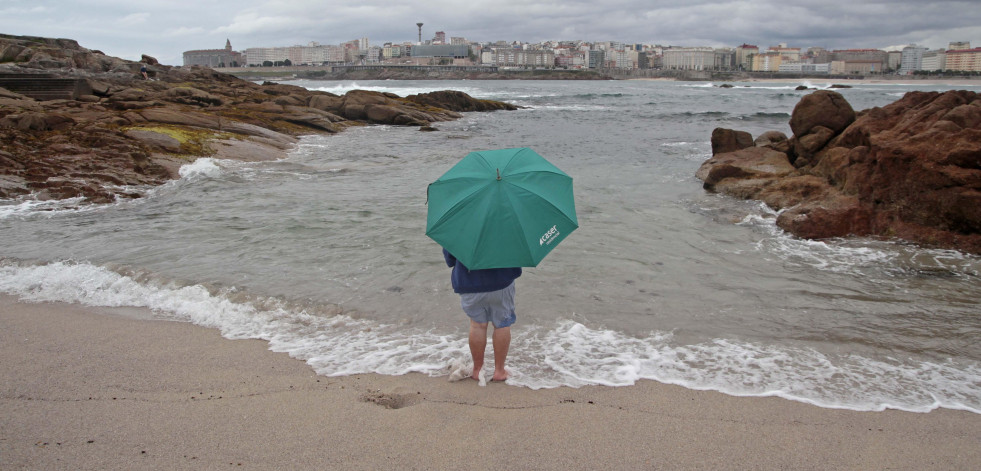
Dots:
pixel 821 108
pixel 457 101
pixel 911 169
pixel 191 96
pixel 76 147
pixel 770 138
pixel 180 118
pixel 754 162
pixel 727 140
pixel 807 145
pixel 155 140
pixel 833 216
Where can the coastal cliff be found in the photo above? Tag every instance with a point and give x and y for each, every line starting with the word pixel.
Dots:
pixel 77 123
pixel 909 170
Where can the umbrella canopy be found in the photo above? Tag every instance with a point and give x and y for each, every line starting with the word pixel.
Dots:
pixel 501 208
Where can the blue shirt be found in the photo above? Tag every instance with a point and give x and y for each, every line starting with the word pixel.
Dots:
pixel 479 281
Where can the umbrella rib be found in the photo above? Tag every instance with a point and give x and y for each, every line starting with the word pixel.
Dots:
pixel 524 248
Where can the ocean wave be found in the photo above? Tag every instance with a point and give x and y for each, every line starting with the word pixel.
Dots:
pixel 566 353
pixel 764 116
pixel 206 167
pixel 592 96
pixel 24 206
pixel 857 256
pixel 400 89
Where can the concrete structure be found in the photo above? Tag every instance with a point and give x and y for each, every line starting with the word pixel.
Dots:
pixel 959 45
pixel 622 59
pixel 818 55
pixel 767 62
pixel 460 51
pixel 864 57
pixel 596 58
pixel 856 67
pixel 935 60
pixel 510 57
pixel 894 60
pixel 744 56
pixel 789 54
pixel 964 60
pixel 312 54
pixel 215 57
pixel 420 32
pixel 689 58
pixel 911 60
pixel 725 59
pixel 804 68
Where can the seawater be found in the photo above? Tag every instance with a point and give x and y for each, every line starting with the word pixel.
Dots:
pixel 324 255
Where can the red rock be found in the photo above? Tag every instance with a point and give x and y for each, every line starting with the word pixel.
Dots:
pixel 727 140
pixel 911 169
pixel 821 108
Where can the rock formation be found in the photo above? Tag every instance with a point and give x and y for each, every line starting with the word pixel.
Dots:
pixel 77 123
pixel 909 170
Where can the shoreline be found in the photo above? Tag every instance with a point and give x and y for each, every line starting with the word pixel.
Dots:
pixel 106 388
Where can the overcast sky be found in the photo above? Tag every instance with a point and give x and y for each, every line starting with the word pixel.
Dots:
pixel 164 29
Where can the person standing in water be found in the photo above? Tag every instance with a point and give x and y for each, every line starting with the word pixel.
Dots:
pixel 487 297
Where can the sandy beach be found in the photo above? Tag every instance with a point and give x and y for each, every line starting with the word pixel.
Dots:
pixel 103 388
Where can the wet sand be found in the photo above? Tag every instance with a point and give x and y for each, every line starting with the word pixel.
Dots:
pixel 105 388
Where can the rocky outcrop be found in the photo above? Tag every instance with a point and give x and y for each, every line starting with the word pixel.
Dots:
pixel 114 132
pixel 910 170
pixel 457 101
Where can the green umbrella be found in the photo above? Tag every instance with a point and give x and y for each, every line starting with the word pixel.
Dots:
pixel 501 208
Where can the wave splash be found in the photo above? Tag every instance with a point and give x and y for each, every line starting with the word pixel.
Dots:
pixel 567 353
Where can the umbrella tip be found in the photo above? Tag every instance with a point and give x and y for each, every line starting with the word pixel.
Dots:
pixel 498 174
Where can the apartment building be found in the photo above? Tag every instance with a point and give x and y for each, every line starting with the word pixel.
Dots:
pixel 689 58
pixel 934 60
pixel 856 67
pixel 787 54
pixel 510 57
pixel 311 54
pixel 767 62
pixel 744 56
pixel 964 60
pixel 799 67
pixel 862 58
pixel 911 60
pixel 622 59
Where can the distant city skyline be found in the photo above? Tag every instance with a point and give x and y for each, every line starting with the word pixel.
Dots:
pixel 164 30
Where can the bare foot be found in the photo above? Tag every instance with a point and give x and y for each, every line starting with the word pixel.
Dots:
pixel 500 376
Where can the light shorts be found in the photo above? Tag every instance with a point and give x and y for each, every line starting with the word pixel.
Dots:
pixel 496 307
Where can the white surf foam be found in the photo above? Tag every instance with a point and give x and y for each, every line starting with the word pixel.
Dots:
pixel 565 354
pixel 28 205
pixel 203 167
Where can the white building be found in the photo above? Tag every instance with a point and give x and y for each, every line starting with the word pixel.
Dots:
pixel 622 59
pixel 934 60
pixel 509 57
pixel 313 54
pixel 912 59
pixel 804 68
pixel 689 58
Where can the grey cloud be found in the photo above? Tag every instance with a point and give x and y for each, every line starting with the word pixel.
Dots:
pixel 171 27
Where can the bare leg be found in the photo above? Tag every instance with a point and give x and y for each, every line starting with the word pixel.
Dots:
pixel 502 342
pixel 478 343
